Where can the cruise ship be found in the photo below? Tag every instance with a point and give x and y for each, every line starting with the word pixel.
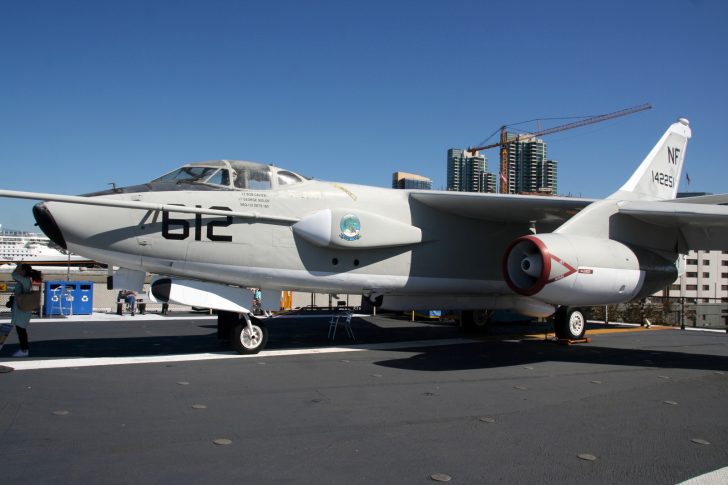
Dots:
pixel 35 249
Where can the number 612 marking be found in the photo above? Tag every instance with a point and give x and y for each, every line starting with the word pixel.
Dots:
pixel 181 227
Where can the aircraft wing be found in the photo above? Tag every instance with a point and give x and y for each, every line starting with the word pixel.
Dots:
pixel 133 204
pixel 503 207
pixel 704 227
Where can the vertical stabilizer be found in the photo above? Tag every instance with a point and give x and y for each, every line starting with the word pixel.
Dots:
pixel 658 176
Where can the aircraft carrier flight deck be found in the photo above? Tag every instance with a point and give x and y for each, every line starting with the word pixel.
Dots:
pixel 151 399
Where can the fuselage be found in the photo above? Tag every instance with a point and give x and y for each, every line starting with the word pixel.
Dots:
pixel 457 255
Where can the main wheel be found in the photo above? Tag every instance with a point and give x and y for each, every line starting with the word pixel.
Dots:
pixel 246 341
pixel 474 320
pixel 570 323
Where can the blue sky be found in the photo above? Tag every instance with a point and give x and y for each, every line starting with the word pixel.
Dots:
pixel 94 92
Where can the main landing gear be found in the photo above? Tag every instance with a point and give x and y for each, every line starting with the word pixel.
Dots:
pixel 472 321
pixel 570 323
pixel 246 333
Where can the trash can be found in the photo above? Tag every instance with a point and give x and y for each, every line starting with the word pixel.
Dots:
pixel 59 297
pixel 68 298
pixel 83 298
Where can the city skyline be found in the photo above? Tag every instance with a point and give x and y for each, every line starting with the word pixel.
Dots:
pixel 529 170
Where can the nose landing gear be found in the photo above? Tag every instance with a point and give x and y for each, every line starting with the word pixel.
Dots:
pixel 247 334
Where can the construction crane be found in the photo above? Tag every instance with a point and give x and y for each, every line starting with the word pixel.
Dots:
pixel 505 142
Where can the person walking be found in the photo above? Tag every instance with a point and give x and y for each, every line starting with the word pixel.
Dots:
pixel 21 318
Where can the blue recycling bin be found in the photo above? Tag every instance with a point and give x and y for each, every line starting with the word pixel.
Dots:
pixel 58 297
pixel 83 300
pixel 68 297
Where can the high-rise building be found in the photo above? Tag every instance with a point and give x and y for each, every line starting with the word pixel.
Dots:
pixel 488 182
pixel 704 278
pixel 454 168
pixel 468 172
pixel 529 171
pixel 404 180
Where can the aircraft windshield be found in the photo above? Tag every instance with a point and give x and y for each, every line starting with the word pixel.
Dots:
pixel 187 174
pixel 232 174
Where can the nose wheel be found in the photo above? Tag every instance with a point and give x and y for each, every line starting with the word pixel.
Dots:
pixel 249 336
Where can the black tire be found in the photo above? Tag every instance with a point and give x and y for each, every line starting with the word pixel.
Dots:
pixel 474 321
pixel 245 343
pixel 570 323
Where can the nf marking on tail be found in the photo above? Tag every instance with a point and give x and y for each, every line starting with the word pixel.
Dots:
pixel 673 154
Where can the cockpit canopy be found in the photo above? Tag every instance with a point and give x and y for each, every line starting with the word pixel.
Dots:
pixel 232 174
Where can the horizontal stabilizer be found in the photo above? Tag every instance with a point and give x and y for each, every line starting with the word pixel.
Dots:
pixel 703 227
pixel 719 199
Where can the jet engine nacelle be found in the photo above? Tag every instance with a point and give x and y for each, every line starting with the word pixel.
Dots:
pixel 576 270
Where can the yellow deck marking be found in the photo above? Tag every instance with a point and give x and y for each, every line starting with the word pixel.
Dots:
pixel 551 335
pixel 602 331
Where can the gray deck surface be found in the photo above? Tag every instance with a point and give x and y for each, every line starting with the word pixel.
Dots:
pixel 372 416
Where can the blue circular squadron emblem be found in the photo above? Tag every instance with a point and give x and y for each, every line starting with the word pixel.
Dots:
pixel 350 227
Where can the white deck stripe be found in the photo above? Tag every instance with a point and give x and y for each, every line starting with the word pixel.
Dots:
pixel 156 359
pixel 113 317
pixel 698 329
pixel 693 329
pixel 718 477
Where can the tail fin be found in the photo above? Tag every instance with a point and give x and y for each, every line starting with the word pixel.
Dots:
pixel 658 176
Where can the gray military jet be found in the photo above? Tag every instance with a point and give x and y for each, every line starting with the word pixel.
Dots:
pixel 211 229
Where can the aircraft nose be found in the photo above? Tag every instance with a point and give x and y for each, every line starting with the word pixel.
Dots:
pixel 47 224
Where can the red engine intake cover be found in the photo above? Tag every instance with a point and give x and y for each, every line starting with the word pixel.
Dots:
pixel 528 266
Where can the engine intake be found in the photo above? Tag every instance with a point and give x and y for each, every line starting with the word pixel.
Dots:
pixel 565 269
pixel 527 265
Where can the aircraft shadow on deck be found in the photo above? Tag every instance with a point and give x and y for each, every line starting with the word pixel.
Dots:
pixel 500 353
pixel 497 349
pixel 283 334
